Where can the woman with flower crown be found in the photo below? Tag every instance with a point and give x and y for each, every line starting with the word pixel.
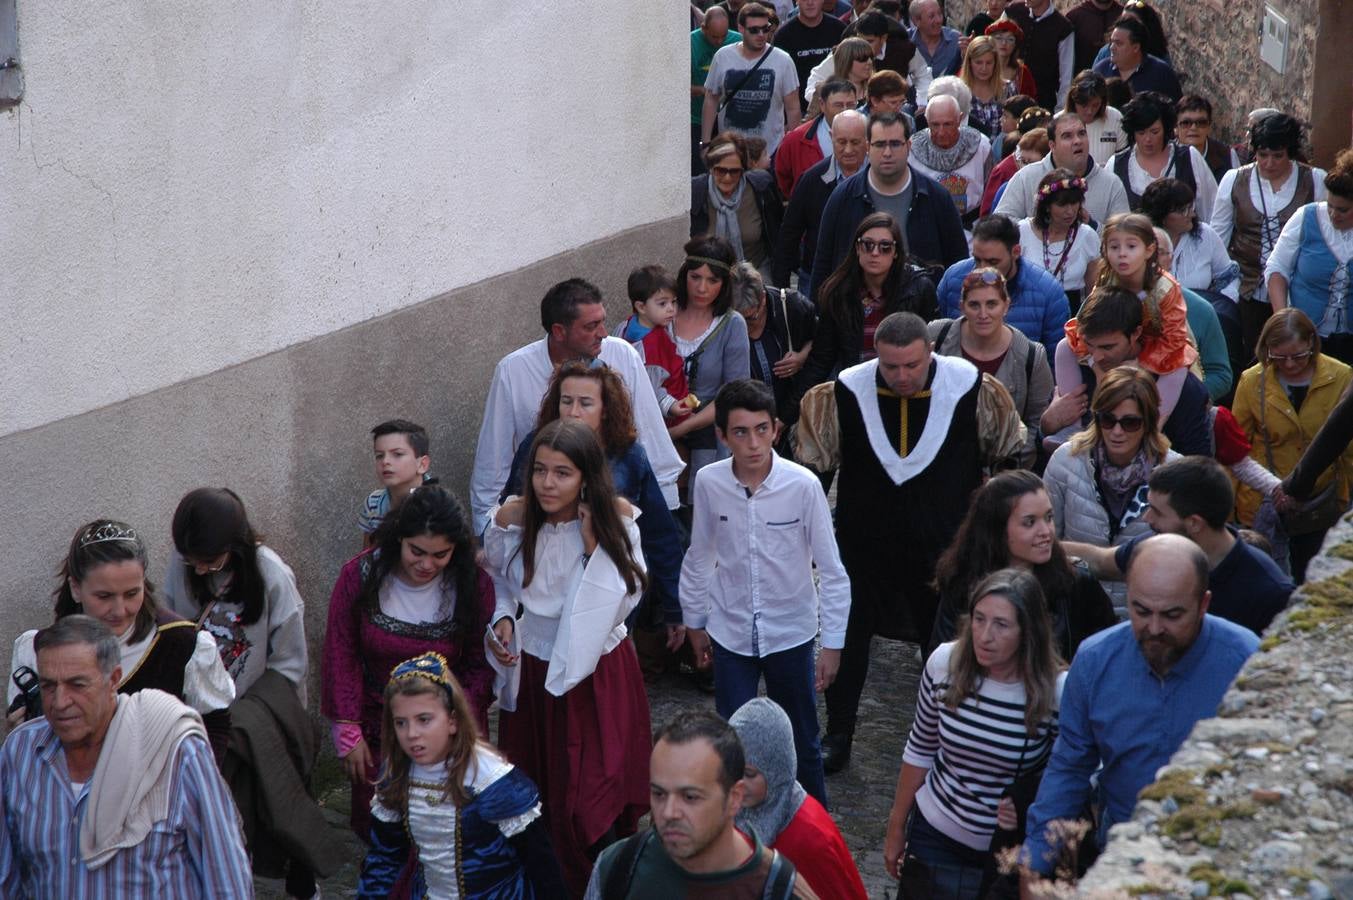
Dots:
pixel 104 576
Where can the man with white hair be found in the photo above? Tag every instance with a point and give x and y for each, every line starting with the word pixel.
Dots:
pixel 955 155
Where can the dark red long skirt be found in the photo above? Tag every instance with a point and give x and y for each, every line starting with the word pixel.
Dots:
pixel 587 751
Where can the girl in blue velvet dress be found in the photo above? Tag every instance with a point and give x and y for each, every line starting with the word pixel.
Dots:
pixel 451 818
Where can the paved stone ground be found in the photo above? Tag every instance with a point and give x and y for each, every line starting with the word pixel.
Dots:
pixel 860 796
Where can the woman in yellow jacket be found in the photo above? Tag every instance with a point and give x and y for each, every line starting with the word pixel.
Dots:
pixel 1281 403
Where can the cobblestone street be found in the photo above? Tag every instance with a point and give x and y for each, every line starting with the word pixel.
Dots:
pixel 860 796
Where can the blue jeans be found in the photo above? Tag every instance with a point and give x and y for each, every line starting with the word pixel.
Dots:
pixel 789 682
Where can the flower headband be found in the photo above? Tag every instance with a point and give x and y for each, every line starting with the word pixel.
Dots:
pixel 1074 183
pixel 432 666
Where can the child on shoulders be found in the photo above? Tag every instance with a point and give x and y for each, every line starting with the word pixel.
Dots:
pixel 652 293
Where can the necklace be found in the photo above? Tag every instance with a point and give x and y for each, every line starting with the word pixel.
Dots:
pixel 1066 250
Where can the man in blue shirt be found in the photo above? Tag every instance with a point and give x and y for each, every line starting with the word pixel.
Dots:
pixel 1129 61
pixel 1134 692
pixel 939 45
pixel 1038 304
pixel 1193 497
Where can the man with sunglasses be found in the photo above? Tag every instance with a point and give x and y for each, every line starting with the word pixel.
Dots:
pixel 889 184
pixel 1112 328
pixel 752 88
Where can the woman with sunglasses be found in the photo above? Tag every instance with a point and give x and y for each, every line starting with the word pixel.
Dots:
pixel 1280 404
pixel 983 339
pixel 737 201
pixel 874 281
pixel 1097 480
pixel 852 61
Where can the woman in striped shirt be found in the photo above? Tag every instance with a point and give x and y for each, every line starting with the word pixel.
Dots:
pixel 986 715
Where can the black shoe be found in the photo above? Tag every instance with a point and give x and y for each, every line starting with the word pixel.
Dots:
pixel 835 752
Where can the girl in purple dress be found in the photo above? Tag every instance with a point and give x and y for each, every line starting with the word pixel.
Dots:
pixel 417 590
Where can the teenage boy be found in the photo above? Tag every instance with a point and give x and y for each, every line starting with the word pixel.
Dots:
pixel 401 450
pixel 763 521
pixel 652 293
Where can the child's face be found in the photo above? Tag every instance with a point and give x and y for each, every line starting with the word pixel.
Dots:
pixel 1128 254
pixel 657 311
pixel 396 463
pixel 423 727
pixel 751 437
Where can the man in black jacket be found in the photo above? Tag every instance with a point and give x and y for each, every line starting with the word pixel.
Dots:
pixel 798 232
pixel 887 183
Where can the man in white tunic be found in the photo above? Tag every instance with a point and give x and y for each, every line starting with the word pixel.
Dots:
pixel 575 326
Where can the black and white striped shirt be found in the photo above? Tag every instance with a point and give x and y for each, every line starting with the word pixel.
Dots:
pixel 974 752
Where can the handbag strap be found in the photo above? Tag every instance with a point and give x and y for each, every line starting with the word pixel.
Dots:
pixel 1263 418
pixel 728 98
pixel 784 307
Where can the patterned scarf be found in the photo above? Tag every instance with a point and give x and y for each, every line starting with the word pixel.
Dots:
pixel 956 157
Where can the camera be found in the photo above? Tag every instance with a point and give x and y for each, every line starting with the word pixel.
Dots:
pixel 30 695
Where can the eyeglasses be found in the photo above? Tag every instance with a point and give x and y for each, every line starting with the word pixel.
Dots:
pixel 726 172
pixel 1003 38
pixel 1130 424
pixel 756 29
pixel 983 276
pixel 1291 358
pixel 1193 123
pixel 880 146
pixel 871 246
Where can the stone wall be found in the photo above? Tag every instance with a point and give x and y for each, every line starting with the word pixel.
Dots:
pixel 1259 800
pixel 1214 44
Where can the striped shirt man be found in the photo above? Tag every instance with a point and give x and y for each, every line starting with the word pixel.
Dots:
pixel 973 752
pixel 198 851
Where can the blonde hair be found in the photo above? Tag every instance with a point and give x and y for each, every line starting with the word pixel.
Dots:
pixel 1289 324
pixel 1125 383
pixel 980 46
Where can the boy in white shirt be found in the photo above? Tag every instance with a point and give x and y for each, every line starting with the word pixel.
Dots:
pixel 759 524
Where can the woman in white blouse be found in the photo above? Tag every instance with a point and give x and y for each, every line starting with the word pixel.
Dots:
pixel 1088 98
pixel 1200 259
pixel 104 576
pixel 575 715
pixel 1056 238
pixel 1153 154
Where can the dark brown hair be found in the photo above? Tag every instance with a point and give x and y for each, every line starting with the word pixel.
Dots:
pixel 577 442
pixel 618 433
pixel 86 554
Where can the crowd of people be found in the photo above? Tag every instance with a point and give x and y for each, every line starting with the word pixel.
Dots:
pixel 981 341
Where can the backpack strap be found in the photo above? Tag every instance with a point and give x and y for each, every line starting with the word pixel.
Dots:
pixel 944 333
pixel 1029 365
pixel 780 878
pixel 621 875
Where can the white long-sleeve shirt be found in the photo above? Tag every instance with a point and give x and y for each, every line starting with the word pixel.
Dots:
pixel 519 384
pixel 1205 196
pixel 1201 263
pixel 748 575
pixel 1264 197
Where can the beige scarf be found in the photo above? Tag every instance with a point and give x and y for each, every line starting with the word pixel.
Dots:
pixel 130 790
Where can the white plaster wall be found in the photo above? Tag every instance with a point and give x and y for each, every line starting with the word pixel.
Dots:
pixel 190 185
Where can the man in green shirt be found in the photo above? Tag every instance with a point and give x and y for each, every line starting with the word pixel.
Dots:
pixel 706 40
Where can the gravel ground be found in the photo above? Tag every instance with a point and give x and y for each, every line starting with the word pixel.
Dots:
pixel 860 796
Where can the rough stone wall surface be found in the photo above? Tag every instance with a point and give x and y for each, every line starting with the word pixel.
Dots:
pixel 1259 800
pixel 1215 46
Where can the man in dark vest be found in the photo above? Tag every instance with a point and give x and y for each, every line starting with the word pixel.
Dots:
pixel 1092 20
pixel 1254 202
pixel 1049 48
pixel 917 433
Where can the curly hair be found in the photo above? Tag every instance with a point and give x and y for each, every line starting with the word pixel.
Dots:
pixel 618 432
